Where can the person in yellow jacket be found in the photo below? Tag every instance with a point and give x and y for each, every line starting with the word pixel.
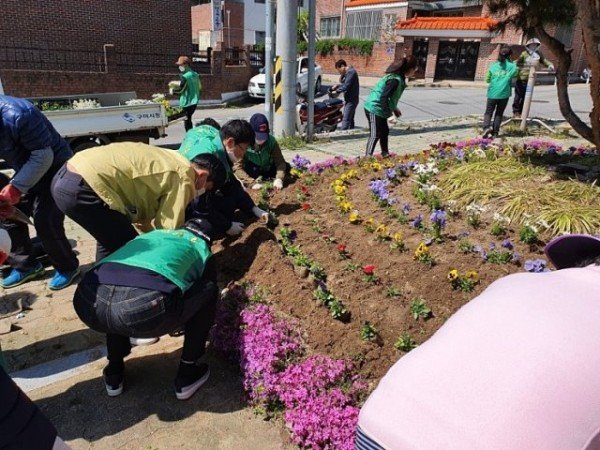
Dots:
pixel 108 189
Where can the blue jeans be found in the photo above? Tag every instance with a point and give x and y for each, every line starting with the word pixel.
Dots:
pixel 123 312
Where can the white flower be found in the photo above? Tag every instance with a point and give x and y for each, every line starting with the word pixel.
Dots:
pixel 479 153
pixel 85 104
pixel 502 220
pixel 137 101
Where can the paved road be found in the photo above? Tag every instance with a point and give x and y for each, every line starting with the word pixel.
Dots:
pixel 418 104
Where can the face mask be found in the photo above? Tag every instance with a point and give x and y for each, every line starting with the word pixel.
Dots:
pixel 182 68
pixel 232 157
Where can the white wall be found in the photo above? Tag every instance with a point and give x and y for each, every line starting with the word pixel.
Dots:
pixel 254 19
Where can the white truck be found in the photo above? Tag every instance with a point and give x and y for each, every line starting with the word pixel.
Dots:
pixel 113 121
pixel 256 86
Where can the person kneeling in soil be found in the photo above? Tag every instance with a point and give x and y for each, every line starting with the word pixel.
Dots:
pixel 264 161
pixel 515 368
pixel 155 284
pixel 229 144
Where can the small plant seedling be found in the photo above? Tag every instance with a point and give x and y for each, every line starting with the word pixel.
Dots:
pixel 419 309
pixel 497 256
pixel 368 332
pixel 392 291
pixel 339 311
pixel 317 271
pixel 498 229
pixel 352 267
pixel 466 246
pixel 405 343
pixel 528 235
pixel 302 260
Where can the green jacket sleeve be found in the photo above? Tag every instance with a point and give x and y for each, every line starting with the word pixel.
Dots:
pixel 279 161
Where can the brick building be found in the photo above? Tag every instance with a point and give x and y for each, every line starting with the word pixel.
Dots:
pixel 69 47
pixel 451 38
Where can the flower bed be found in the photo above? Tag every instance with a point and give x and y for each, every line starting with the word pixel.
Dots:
pixel 388 241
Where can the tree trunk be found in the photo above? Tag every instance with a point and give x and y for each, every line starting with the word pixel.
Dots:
pixel 589 14
pixel 562 83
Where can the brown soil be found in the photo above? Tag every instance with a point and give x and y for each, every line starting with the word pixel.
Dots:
pixel 257 257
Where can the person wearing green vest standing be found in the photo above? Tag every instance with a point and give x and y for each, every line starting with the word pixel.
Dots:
pixel 154 285
pixel 499 76
pixel 383 102
pixel 189 90
pixel 229 144
pixel 265 159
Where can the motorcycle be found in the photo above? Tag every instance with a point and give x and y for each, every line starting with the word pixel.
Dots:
pixel 328 113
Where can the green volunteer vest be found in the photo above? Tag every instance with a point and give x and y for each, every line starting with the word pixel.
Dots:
pixel 204 140
pixel 178 255
pixel 263 156
pixel 373 103
pixel 501 75
pixel 191 94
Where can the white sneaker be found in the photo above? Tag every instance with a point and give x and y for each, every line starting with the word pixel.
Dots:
pixel 143 341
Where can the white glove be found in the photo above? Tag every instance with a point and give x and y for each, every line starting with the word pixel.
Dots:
pixel 392 120
pixel 262 215
pixel 278 183
pixel 235 229
pixel 256 186
pixel 551 68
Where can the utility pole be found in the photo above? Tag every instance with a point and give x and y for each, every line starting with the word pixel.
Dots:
pixel 528 96
pixel 269 62
pixel 285 103
pixel 228 28
pixel 312 10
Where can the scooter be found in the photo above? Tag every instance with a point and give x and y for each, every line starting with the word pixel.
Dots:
pixel 328 113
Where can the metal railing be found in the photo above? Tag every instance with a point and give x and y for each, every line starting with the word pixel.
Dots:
pixel 31 58
pixel 234 57
pixel 257 58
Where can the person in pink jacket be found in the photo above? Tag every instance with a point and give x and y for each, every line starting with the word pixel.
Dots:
pixel 516 368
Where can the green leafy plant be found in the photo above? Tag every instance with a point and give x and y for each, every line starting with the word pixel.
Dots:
pixel 302 260
pixel 317 271
pixel 405 343
pixel 466 246
pixel 352 267
pixel 392 291
pixel 528 234
pixel 499 256
pixel 419 309
pixel 464 282
pixel 368 332
pixel 339 311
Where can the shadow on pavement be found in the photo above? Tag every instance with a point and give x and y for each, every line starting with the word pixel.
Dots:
pixel 84 411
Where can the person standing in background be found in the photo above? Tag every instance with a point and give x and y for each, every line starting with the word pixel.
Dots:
pixel 499 77
pixel 350 86
pixel 189 90
pixel 531 56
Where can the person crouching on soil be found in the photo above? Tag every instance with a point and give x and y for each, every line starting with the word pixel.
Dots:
pixel 499 76
pixel 229 144
pixel 155 284
pixel 264 160
pixel 383 102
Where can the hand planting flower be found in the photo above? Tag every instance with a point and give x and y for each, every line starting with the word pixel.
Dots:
pixel 536 266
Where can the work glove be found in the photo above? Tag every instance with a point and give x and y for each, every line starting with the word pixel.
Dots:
pixel 278 183
pixel 199 227
pixel 235 229
pixel 10 194
pixel 256 186
pixel 262 215
pixel 551 68
pixel 6 211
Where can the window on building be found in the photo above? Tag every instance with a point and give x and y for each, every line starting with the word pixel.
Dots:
pixel 363 25
pixel 565 34
pixel 330 26
pixel 259 1
pixel 259 37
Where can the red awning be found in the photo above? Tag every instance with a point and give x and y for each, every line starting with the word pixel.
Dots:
pixel 447 23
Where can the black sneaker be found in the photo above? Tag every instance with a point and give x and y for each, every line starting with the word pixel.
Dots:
pixel 190 377
pixel 114 374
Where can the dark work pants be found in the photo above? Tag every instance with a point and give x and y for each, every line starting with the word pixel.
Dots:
pixel 497 105
pixel 219 207
pixel 255 171
pixel 77 199
pixel 378 131
pixel 519 100
pixel 123 312
pixel 189 112
pixel 22 424
pixel 49 225
pixel 349 112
